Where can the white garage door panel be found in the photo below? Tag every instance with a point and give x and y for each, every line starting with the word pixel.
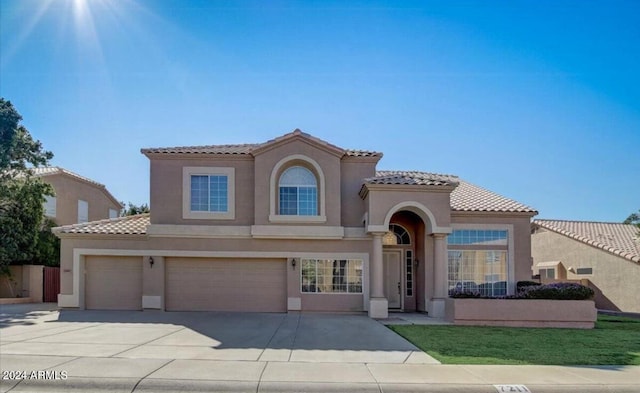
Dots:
pixel 199 284
pixel 113 283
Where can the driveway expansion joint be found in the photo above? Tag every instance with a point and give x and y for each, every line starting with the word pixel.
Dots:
pixel 149 373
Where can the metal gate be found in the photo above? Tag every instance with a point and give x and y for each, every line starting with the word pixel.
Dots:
pixel 51 284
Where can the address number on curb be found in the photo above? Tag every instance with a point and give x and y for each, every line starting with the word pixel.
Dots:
pixel 512 389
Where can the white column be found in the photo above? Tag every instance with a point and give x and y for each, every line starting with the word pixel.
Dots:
pixel 439 275
pixel 378 304
pixel 440 259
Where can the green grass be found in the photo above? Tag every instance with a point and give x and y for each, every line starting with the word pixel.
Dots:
pixel 614 341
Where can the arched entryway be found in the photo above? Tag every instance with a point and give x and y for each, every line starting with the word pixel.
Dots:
pixel 403 248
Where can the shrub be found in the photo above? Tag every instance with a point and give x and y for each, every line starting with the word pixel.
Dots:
pixel 557 291
pixel 524 284
pixel 464 294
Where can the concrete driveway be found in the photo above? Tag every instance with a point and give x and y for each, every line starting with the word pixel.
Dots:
pixel 91 351
pixel 295 337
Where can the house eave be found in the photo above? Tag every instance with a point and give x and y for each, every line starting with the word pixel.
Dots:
pixel 196 156
pixel 101 236
pixel 409 187
pixel 485 213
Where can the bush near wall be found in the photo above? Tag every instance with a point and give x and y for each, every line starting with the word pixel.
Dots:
pixel 557 291
pixel 534 290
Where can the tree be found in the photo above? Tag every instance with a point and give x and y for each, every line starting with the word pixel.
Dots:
pixel 633 219
pixel 47 251
pixel 21 193
pixel 132 210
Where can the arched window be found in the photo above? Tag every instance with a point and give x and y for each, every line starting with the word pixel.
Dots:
pixel 298 192
pixel 397 235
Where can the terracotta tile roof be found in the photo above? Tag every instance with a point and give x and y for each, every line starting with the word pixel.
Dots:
pixel 619 239
pixel 465 197
pixel 55 170
pixel 130 225
pixel 469 197
pixel 249 148
pixel 362 153
pixel 412 178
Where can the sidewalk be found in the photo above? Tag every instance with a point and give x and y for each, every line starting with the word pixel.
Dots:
pixel 167 375
pixel 44 350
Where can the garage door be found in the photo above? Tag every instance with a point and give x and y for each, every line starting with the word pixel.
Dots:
pixel 200 284
pixel 113 283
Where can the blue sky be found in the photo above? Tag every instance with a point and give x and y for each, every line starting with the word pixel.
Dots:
pixel 535 100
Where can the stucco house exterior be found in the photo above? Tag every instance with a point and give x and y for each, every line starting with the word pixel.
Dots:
pixel 604 256
pixel 295 223
pixel 78 199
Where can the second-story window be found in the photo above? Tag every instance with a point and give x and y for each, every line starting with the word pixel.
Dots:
pixel 209 193
pixel 298 192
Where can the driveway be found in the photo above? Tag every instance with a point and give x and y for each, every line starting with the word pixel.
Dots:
pixel 294 337
pixel 95 351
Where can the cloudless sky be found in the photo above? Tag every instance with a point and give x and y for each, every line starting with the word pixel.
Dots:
pixel 538 101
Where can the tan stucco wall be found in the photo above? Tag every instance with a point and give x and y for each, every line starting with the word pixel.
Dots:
pixel 25 281
pixel 616 277
pixel 380 202
pixel 32 280
pixel 69 190
pixel 11 286
pixel 351 178
pixel 576 314
pixel 153 284
pixel 521 237
pixel 166 190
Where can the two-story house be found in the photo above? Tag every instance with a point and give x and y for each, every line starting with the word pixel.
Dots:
pixel 77 199
pixel 292 224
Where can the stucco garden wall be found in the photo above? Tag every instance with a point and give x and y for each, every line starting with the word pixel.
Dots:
pixel 578 314
pixel 24 285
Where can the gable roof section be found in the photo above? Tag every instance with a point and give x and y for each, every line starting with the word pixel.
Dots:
pixel 412 178
pixel 465 197
pixel 622 240
pixel 129 225
pixel 250 149
pixel 55 170
pixel 302 136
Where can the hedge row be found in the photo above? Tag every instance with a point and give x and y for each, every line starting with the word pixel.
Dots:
pixel 534 290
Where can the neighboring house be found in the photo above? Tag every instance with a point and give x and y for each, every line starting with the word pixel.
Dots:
pixel 605 256
pixel 77 199
pixel 291 224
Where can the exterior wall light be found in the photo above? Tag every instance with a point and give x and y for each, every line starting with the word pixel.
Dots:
pixel 293 263
pixel 150 262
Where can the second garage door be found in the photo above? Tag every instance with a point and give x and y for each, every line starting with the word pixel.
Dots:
pixel 200 284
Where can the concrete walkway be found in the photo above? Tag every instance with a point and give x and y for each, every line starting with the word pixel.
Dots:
pixel 204 352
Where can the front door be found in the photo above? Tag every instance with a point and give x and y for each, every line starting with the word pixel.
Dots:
pixel 392 278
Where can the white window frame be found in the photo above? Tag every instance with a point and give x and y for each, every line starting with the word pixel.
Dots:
pixel 187 172
pixel 278 169
pixel 544 272
pixel 50 204
pixel 362 277
pixel 83 207
pixel 511 283
pixel 115 213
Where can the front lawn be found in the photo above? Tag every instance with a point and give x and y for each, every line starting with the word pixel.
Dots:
pixel 614 341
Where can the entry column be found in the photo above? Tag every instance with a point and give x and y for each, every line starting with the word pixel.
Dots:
pixel 439 275
pixel 378 304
